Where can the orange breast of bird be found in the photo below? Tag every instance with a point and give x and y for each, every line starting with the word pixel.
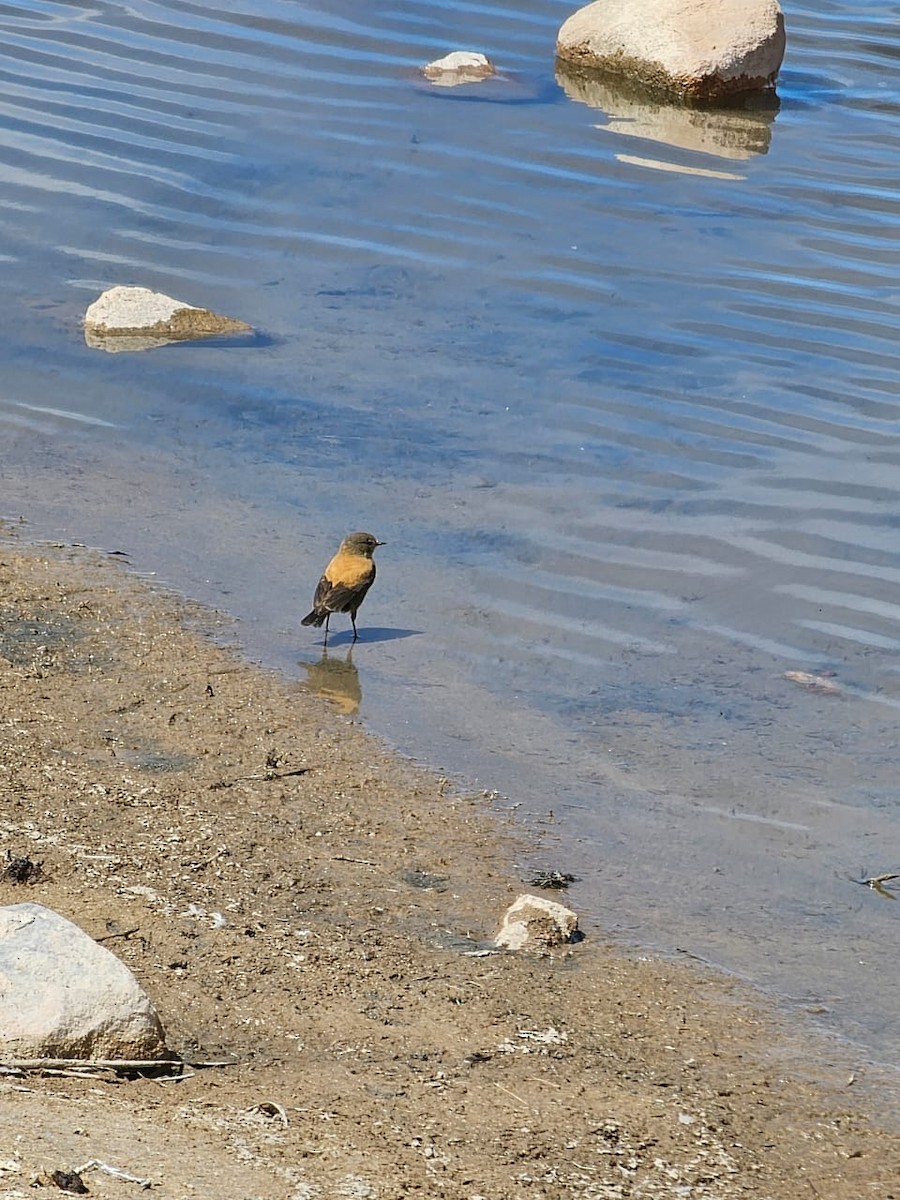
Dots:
pixel 349 570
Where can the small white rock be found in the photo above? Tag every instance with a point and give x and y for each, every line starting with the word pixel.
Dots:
pixel 462 66
pixel 139 315
pixel 533 922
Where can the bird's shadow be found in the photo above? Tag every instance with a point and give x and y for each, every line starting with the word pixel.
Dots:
pixel 369 634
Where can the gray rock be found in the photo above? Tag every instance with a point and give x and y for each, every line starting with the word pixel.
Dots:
pixel 701 49
pixel 535 923
pixel 63 995
pixel 136 318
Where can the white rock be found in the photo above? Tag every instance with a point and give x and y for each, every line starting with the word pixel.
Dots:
pixel 532 922
pixel 462 66
pixel 703 49
pixel 63 995
pixel 147 318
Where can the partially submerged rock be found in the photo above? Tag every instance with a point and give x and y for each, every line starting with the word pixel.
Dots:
pixel 821 684
pixel 535 923
pixel 695 48
pixel 136 318
pixel 64 996
pixel 462 66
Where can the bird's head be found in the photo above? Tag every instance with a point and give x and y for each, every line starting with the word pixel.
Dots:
pixel 361 543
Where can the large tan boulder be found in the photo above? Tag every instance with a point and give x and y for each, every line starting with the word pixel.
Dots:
pixel 701 49
pixel 64 996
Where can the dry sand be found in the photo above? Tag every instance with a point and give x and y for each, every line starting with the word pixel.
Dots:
pixel 167 786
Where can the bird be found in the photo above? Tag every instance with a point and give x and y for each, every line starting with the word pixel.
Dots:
pixel 345 581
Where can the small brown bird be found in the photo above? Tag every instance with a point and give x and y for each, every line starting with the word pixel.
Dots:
pixel 345 582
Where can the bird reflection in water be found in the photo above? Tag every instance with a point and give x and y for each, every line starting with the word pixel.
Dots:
pixel 337 680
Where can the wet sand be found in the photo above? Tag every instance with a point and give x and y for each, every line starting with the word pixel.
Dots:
pixel 309 909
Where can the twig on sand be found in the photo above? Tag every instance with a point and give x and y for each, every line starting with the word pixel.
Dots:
pixel 108 937
pixel 524 1103
pixel 117 1173
pixel 88 1065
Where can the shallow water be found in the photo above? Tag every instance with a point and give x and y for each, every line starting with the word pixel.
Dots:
pixel 617 385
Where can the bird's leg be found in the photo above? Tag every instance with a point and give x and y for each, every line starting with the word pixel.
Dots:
pixel 355 634
pixel 327 619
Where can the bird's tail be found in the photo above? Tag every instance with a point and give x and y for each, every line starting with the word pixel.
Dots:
pixel 314 618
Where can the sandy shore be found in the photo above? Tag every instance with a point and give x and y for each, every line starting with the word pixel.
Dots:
pixel 160 780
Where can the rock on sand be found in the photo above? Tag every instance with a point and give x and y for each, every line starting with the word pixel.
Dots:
pixel 63 995
pixel 535 923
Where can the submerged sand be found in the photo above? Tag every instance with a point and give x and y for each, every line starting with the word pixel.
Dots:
pixel 312 912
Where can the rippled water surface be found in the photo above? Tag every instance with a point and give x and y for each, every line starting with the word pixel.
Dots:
pixel 617 384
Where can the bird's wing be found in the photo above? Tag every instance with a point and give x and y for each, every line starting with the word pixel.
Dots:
pixel 323 591
pixel 341 597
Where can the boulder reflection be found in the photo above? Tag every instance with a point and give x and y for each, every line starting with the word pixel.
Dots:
pixel 739 131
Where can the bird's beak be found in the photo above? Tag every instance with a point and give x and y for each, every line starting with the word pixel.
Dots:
pixel 381 543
